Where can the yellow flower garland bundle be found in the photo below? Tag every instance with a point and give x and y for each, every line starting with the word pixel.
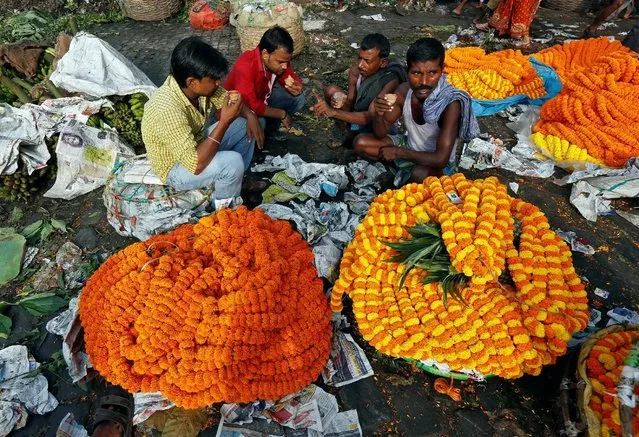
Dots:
pixel 603 367
pixel 229 309
pixel 506 329
pixel 494 76
pixel 596 109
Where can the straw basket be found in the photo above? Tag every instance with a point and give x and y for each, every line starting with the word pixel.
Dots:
pixel 594 425
pixel 253 22
pixel 151 10
pixel 570 5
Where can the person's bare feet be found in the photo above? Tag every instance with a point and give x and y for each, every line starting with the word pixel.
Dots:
pixel 458 10
pixel 482 26
pixel 523 43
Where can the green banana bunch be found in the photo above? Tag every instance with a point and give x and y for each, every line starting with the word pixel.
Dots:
pixel 137 101
pixel 20 186
pixel 95 121
pixel 124 120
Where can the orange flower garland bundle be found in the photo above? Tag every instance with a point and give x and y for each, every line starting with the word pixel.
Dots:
pixel 229 309
pixel 576 56
pixel 603 368
pixel 503 330
pixel 494 76
pixel 596 110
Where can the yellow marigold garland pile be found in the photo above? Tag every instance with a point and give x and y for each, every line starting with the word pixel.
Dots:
pixel 492 77
pixel 603 367
pixel 504 330
pixel 596 109
pixel 229 309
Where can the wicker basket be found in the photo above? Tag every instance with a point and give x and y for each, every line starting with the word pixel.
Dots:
pixel 570 5
pixel 251 25
pixel 592 422
pixel 151 10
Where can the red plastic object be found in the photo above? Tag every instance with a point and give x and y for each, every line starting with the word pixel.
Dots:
pixel 202 17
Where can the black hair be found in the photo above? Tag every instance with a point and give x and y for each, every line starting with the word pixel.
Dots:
pixel 425 49
pixel 376 41
pixel 276 38
pixel 192 57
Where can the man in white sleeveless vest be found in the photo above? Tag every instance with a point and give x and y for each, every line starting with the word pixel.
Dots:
pixel 436 115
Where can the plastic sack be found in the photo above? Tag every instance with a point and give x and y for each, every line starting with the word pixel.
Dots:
pixel 202 17
pixel 552 83
pixel 139 205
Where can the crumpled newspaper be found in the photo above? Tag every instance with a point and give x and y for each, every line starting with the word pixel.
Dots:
pixel 595 186
pixel 577 244
pixel 347 363
pixel 20 390
pixel 480 154
pixel 145 404
pixel 67 324
pixel 70 428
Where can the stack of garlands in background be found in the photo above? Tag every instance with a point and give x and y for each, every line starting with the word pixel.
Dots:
pixel 230 309
pixel 492 77
pixel 595 116
pixel 517 299
pixel 603 368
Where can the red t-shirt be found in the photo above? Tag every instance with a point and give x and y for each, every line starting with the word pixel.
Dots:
pixel 253 82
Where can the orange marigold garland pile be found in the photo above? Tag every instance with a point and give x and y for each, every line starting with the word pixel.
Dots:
pixel 596 109
pixel 603 368
pixel 229 309
pixel 504 329
pixel 492 77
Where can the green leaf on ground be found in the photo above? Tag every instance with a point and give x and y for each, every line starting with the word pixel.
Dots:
pixel 11 253
pixel 16 215
pixel 32 230
pixel 184 423
pixel 42 304
pixel 59 225
pixel 5 326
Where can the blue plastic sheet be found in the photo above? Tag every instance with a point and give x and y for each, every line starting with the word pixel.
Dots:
pixel 552 83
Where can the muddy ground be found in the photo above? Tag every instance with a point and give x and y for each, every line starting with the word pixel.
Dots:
pixel 399 399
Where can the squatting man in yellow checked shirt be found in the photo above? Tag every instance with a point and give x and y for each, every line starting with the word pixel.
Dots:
pixel 196 133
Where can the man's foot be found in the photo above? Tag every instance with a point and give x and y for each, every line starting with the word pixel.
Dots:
pixel 457 11
pixel 588 33
pixel 341 8
pixel 523 43
pixel 484 27
pixel 114 414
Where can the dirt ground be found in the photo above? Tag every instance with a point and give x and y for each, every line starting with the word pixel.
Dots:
pixel 399 400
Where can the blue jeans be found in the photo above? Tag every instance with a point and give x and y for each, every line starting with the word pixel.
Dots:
pixel 235 139
pixel 282 99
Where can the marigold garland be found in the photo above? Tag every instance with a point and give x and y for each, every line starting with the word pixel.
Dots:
pixel 603 367
pixel 596 109
pixel 494 76
pixel 504 330
pixel 561 150
pixel 229 309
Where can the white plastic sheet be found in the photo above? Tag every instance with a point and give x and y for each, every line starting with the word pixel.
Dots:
pixel 93 67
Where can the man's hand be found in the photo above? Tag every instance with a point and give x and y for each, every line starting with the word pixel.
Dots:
pixel 254 130
pixel 287 121
pixel 382 106
pixel 338 99
pixel 389 153
pixel 231 109
pixel 321 107
pixel 293 86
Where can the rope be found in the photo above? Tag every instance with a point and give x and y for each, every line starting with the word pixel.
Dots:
pixel 446 388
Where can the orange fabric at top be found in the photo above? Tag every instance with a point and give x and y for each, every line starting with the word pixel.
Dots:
pixel 514 17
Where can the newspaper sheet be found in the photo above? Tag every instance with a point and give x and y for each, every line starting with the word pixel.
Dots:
pixel 345 424
pixel 347 363
pixel 145 404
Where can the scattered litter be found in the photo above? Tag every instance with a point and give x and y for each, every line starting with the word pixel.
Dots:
pixel 443 28
pixel 93 67
pixel 604 294
pixel 70 428
pixel 514 187
pixel 376 17
pixel 313 25
pixel 348 29
pixel 67 325
pixel 29 256
pixel 283 189
pixel 577 244
pixel 355 45
pixel 46 277
pixel 347 363
pixel 480 154
pixel 311 412
pixel 581 336
pixel 608 25
pixel 329 53
pixel 622 316
pixel 21 389
pixel 69 258
pixel 442 10
pixel 145 404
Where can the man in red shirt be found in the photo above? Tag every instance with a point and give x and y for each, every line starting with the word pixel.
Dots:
pixel 266 80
